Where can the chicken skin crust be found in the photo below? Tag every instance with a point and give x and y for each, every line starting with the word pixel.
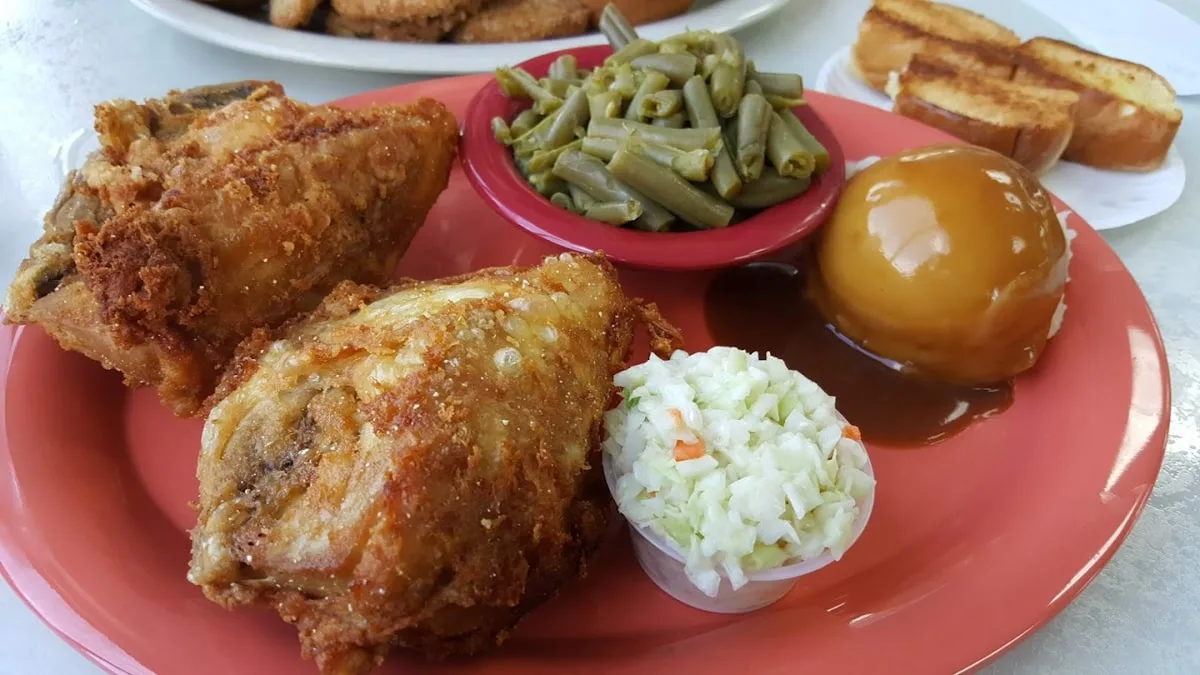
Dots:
pixel 215 211
pixel 418 467
pixel 524 20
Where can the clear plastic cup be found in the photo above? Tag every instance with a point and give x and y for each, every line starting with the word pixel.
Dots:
pixel 664 564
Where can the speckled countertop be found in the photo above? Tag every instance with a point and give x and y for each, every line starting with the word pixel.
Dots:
pixel 1142 614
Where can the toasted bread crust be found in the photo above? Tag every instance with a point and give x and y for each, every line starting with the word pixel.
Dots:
pixel 889 35
pixel 985 134
pixel 1030 124
pixel 1111 131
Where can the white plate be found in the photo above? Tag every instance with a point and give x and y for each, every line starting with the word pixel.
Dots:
pixel 210 24
pixel 1105 199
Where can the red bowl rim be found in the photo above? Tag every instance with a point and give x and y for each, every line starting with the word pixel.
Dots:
pixel 493 174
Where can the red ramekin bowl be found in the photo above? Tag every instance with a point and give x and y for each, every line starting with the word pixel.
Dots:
pixel 490 168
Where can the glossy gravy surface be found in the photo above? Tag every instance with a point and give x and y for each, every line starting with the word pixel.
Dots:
pixel 948 259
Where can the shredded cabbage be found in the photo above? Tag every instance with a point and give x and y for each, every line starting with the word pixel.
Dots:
pixel 779 478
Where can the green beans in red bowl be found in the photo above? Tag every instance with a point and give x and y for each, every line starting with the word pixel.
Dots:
pixel 660 165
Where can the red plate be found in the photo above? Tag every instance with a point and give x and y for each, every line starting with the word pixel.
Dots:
pixel 974 543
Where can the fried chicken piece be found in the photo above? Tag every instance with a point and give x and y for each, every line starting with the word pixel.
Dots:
pixel 399 20
pixel 292 13
pixel 215 211
pixel 641 11
pixel 411 31
pixel 524 20
pixel 417 467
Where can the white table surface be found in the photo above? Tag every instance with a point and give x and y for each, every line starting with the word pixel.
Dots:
pixel 1142 615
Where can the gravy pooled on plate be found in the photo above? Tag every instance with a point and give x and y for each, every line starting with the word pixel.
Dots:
pixel 763 307
pixel 939 277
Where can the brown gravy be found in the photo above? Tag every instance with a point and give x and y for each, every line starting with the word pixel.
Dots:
pixel 762 307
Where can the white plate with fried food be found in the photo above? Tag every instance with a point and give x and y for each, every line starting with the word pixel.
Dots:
pixel 1098 130
pixel 432 36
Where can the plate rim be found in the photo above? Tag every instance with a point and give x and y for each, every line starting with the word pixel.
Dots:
pixel 205 23
pixel 1152 453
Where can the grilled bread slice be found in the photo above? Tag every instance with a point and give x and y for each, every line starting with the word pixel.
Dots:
pixel 1127 116
pixel 893 30
pixel 1029 123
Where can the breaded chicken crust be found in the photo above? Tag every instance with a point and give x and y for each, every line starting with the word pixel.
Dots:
pixel 417 467
pixel 524 20
pixel 412 22
pixel 401 11
pixel 215 211
pixel 641 11
pixel 292 13
pixel 389 31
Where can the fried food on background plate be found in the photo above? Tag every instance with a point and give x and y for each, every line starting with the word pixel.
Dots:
pixel 524 20
pixel 411 31
pixel 417 467
pixel 292 13
pixel 217 210
pixel 400 20
pixel 640 11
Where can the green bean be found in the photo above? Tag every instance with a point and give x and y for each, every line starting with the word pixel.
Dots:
pixel 753 88
pixel 631 51
pixel 522 165
pixel 546 183
pixel 724 175
pixel 515 79
pixel 604 148
pixel 544 161
pixel 709 63
pixel 600 80
pixel 769 190
pixel 671 190
pixel 563 201
pixel 786 153
pixel 662 103
pixel 625 81
pixel 604 104
pixel 670 46
pixel 563 68
pixel 531 141
pixel 695 39
pixel 574 115
pixel 676 121
pixel 560 88
pixel 819 152
pixel 616 27
pixel 614 213
pixel 590 175
pixel 678 67
pixel 753 126
pixel 727 89
pixel 654 82
pixel 693 165
pixel 524 121
pixel 502 131
pixel 698 105
pixel 581 199
pixel 727 74
pixel 783 85
pixel 782 103
pixel 684 139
